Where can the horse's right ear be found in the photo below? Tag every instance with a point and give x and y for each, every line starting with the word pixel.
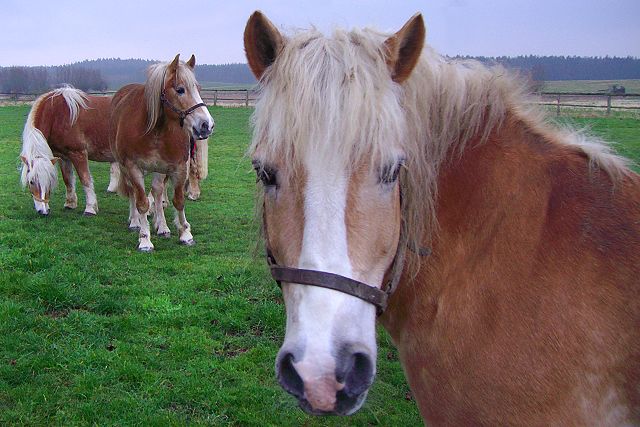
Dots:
pixel 262 43
pixel 174 63
pixel 404 48
pixel 24 160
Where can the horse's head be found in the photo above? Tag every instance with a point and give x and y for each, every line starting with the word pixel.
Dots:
pixel 328 150
pixel 39 175
pixel 180 95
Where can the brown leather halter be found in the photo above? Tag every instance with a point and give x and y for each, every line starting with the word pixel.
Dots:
pixel 336 282
pixel 182 114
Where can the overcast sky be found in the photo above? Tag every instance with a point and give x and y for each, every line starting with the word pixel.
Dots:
pixel 53 32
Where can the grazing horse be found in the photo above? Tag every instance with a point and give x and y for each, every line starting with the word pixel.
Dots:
pixel 500 252
pixel 72 126
pixel 150 130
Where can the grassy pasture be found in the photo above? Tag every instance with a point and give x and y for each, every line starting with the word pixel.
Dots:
pixel 569 86
pixel 93 332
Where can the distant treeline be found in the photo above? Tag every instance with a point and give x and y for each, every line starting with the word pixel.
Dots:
pixel 113 73
pixel 542 68
pixel 41 79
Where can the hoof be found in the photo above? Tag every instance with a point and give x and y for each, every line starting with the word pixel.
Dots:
pixel 165 235
pixel 145 250
pixel 189 242
pixel 134 228
pixel 85 213
pixel 69 208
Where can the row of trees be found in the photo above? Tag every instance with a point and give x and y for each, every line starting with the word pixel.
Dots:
pixel 113 73
pixel 41 79
pixel 570 67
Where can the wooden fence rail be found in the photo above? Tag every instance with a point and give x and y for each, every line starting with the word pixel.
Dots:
pixel 247 97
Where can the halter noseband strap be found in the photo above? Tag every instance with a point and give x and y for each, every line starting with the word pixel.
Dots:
pixel 336 282
pixel 182 114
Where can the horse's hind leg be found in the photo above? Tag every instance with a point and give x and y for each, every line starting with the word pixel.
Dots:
pixel 184 228
pixel 193 183
pixel 158 187
pixel 81 163
pixel 114 177
pixel 66 167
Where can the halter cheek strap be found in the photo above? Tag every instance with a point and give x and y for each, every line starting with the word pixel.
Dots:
pixel 182 114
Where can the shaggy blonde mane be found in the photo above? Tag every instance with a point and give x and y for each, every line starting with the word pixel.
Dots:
pixel 74 98
pixel 156 78
pixel 37 153
pixel 334 97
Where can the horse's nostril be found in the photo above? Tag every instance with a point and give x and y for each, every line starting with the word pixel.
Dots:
pixel 287 375
pixel 356 373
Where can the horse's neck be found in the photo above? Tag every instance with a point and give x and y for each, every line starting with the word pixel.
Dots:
pixel 493 193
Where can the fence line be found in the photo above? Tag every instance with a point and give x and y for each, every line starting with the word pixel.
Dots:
pixel 247 97
pixel 555 99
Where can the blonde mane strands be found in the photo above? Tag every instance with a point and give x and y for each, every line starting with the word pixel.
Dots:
pixel 334 97
pixel 37 152
pixel 156 75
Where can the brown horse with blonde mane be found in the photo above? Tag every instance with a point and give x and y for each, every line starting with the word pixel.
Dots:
pixel 71 126
pixel 150 129
pixel 500 251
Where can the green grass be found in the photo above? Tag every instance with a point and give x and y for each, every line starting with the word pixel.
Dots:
pixel 93 332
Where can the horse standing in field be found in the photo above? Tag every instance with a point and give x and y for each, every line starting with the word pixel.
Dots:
pixel 150 130
pixel 507 248
pixel 71 126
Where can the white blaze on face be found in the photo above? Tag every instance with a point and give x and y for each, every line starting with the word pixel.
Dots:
pixel 324 320
pixel 201 113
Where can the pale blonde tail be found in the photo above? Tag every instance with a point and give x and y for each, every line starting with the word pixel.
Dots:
pixel 202 158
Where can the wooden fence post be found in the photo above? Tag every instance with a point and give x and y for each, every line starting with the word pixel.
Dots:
pixel 558 107
pixel 246 98
pixel 215 98
pixel 608 105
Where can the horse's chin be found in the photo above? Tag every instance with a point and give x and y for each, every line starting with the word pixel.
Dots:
pixel 345 405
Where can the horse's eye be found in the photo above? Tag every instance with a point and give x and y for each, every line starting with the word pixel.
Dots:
pixel 390 172
pixel 32 182
pixel 266 174
pixel 180 90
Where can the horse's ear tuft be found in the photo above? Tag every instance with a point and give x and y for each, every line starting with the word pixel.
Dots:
pixel 54 160
pixel 24 160
pixel 262 43
pixel 192 62
pixel 404 48
pixel 174 64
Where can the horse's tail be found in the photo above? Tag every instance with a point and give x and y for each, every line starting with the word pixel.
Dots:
pixel 124 187
pixel 202 158
pixel 37 157
pixel 74 98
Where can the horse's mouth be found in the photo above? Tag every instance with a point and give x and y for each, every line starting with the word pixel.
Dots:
pixel 345 405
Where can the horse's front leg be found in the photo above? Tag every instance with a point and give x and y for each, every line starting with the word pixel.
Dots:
pixel 184 229
pixel 158 189
pixel 142 205
pixel 114 177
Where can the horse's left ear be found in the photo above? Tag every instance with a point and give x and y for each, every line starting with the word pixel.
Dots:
pixel 192 62
pixel 404 48
pixel 175 62
pixel 24 160
pixel 54 160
